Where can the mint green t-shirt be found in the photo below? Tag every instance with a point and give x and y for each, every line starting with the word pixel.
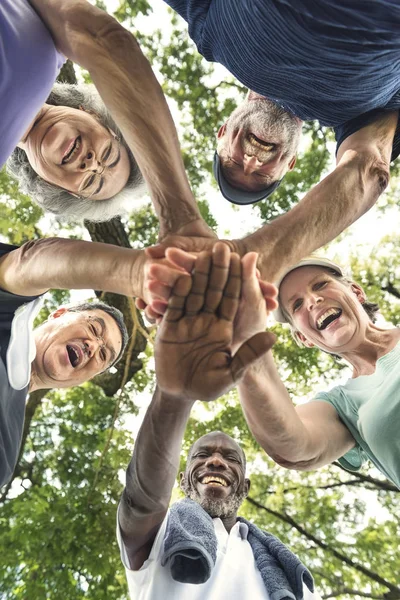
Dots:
pixel 369 406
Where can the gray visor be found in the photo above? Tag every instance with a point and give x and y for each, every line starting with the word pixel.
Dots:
pixel 239 196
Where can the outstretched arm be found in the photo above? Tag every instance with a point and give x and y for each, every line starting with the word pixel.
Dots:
pixel 193 361
pixel 56 263
pixel 361 175
pixel 128 87
pixel 303 438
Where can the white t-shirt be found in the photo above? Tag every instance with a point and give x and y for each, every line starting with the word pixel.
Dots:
pixel 234 577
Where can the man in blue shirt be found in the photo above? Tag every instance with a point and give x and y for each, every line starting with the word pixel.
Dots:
pixel 333 61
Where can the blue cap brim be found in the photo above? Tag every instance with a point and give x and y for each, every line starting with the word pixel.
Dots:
pixel 239 196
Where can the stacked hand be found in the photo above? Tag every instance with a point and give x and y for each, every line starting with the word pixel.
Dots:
pixel 193 352
pixel 257 297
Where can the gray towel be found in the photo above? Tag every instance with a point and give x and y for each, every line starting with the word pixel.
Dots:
pixel 190 550
pixel 282 572
pixel 190 545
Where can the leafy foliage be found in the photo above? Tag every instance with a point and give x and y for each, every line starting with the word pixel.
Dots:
pixel 57 520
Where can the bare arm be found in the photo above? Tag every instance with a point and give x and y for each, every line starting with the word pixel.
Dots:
pixel 128 87
pixel 306 437
pixel 193 361
pixel 71 264
pixel 361 175
pixel 151 474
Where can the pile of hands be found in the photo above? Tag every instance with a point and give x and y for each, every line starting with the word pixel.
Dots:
pixel 211 307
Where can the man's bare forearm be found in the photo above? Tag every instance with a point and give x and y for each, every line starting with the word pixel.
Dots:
pixel 56 263
pixel 327 210
pixel 330 207
pixel 130 90
pixel 152 471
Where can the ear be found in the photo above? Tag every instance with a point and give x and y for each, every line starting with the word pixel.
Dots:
pixel 58 313
pixel 181 479
pixel 247 485
pixel 221 131
pixel 304 340
pixel 292 163
pixel 359 292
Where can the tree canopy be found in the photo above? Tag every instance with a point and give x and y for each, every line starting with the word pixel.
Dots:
pixel 58 515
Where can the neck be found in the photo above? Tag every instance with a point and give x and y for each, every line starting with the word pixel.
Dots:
pixel 229 522
pixel 377 343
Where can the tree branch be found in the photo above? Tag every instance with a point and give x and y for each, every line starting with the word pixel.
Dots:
pixel 318 542
pixel 384 484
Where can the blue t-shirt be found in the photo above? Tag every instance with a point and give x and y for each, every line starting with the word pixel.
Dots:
pixel 29 65
pixel 369 406
pixel 326 60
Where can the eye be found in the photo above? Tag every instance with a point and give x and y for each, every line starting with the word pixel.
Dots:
pixel 297 304
pixel 201 455
pixel 319 285
pixel 103 355
pixel 93 330
pixel 233 459
pixel 88 182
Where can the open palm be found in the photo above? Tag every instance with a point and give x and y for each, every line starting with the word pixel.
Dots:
pixel 193 350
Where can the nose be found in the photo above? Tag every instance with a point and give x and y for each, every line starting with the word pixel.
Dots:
pixel 92 345
pixel 250 164
pixel 216 461
pixel 90 163
pixel 313 300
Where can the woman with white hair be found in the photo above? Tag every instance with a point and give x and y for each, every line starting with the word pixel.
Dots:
pixel 352 422
pixel 64 158
pixel 75 153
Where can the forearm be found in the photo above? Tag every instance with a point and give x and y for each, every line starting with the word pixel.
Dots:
pixel 271 415
pixel 329 208
pixel 55 263
pixel 154 466
pixel 130 90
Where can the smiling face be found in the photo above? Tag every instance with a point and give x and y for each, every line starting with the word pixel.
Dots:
pixel 69 148
pixel 73 347
pixel 324 311
pixel 258 144
pixel 215 475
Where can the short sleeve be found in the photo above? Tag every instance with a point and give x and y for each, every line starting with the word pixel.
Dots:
pixel 346 129
pixel 354 459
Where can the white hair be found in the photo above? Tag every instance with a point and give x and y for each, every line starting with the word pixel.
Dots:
pixel 60 202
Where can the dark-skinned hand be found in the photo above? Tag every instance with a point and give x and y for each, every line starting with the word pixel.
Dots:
pixel 193 351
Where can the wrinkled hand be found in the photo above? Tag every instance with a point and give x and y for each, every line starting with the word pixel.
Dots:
pixel 257 297
pixel 193 347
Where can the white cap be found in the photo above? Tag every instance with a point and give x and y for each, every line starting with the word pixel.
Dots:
pixel 311 261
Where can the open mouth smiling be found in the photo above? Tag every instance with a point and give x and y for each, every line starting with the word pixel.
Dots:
pixel 328 317
pixel 256 141
pixel 72 150
pixel 75 355
pixel 213 480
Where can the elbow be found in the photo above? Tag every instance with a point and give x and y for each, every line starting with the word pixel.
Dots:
pixel 294 464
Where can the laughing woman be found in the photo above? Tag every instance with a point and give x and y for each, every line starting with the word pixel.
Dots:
pixel 353 422
pixel 75 154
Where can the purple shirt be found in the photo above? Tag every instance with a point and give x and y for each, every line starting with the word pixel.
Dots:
pixel 29 65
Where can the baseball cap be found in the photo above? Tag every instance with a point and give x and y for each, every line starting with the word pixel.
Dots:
pixel 311 261
pixel 235 195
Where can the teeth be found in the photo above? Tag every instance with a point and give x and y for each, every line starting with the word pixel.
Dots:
pixel 328 313
pixel 216 480
pixel 75 148
pixel 260 143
